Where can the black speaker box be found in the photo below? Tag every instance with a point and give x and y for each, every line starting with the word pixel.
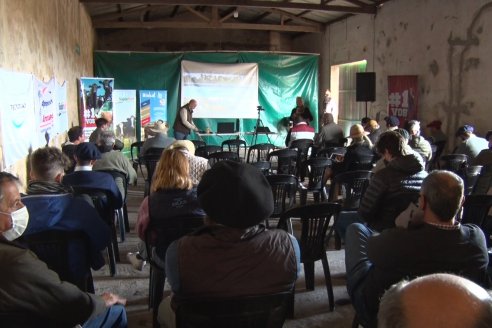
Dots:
pixel 365 86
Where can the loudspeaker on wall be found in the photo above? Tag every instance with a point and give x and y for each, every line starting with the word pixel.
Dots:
pixel 365 86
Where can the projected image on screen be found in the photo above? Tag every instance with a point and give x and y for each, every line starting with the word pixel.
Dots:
pixel 221 90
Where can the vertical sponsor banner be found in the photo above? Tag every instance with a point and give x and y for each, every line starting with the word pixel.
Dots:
pixel 96 101
pixel 45 108
pixel 153 107
pixel 124 117
pixel 16 115
pixel 403 97
pixel 61 118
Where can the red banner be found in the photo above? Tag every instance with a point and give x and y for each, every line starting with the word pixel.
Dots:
pixel 403 97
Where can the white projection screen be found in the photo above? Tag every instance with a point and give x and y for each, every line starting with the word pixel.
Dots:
pixel 221 90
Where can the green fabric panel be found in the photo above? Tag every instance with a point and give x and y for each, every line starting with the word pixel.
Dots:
pixel 281 79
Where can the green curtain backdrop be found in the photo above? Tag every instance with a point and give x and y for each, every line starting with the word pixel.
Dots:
pixel 282 78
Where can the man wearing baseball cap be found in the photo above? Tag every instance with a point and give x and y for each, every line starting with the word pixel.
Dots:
pixel 234 254
pixel 470 145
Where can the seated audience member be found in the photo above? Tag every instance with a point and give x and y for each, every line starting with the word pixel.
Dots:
pixel 365 123
pixel 114 160
pixel 75 136
pixel 374 131
pixel 233 254
pixel 359 151
pixel 392 123
pixel 434 242
pixel 331 134
pixel 484 158
pixel 435 133
pixel 159 138
pixel 300 130
pixel 102 124
pixel 83 176
pixel 404 171
pixel 470 145
pixel 172 197
pixel 417 142
pixel 29 288
pixel 198 165
pixel 301 110
pixel 52 205
pixel 380 163
pixel 419 303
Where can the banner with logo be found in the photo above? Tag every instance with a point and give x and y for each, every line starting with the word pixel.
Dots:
pixel 153 107
pixel 61 118
pixel 124 117
pixel 44 111
pixel 16 115
pixel 96 101
pixel 403 97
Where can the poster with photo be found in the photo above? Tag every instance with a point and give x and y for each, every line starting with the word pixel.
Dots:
pixel 96 100
pixel 124 117
pixel 153 107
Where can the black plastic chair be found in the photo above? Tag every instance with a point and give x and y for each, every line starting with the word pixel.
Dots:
pixel 315 220
pixel 453 162
pixel 28 320
pixel 433 164
pixel 135 154
pixel 262 311
pixel 219 156
pixel 158 236
pixel 121 213
pixel 198 143
pixel 56 248
pixel 102 203
pixel 285 160
pixel 475 209
pixel 205 151
pixel 263 166
pixel 484 182
pixel 347 189
pixel 315 169
pixel 259 152
pixel 235 145
pixel 150 161
pixel 303 147
pixel 470 176
pixel 284 187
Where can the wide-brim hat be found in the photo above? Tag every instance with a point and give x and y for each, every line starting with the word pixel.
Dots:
pixel 158 127
pixel 356 131
pixel 236 195
pixel 187 144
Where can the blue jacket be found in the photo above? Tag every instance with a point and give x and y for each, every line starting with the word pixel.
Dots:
pixel 64 212
pixel 95 180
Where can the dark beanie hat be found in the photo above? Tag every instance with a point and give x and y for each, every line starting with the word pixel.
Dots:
pixel 235 195
pixel 87 151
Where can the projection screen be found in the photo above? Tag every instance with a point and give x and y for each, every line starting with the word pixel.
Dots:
pixel 221 90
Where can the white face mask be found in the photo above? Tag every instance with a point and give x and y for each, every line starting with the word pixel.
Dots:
pixel 20 219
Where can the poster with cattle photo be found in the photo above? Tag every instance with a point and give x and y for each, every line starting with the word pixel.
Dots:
pixel 96 100
pixel 124 117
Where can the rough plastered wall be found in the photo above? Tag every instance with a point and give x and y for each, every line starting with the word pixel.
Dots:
pixel 48 38
pixel 445 42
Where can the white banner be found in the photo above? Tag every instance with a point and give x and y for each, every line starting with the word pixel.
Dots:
pixel 45 111
pixel 124 116
pixel 17 115
pixel 61 119
pixel 221 90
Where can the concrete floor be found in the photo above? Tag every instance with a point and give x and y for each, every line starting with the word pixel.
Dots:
pixel 311 307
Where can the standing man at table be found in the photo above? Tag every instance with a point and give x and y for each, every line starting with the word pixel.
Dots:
pixel 184 121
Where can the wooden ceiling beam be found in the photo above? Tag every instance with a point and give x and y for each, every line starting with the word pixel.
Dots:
pixel 249 3
pixel 205 25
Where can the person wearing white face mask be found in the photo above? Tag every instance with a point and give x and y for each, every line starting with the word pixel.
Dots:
pixel 29 288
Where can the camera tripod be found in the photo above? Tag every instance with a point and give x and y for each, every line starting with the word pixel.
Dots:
pixel 259 123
